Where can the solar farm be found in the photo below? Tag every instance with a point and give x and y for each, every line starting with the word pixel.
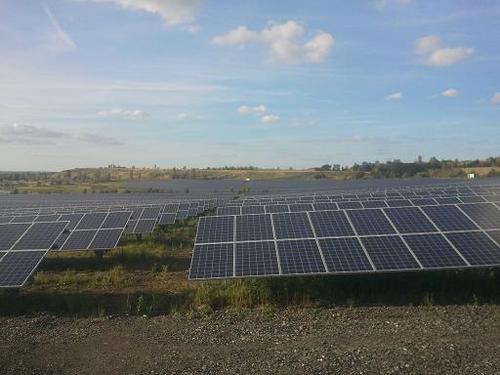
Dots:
pixel 406 229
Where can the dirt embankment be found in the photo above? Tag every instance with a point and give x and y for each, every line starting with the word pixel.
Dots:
pixel 423 340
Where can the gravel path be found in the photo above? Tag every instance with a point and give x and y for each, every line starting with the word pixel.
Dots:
pixel 422 340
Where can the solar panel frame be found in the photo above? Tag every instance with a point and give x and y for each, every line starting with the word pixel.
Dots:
pixel 253 259
pixel 410 220
pixel 390 253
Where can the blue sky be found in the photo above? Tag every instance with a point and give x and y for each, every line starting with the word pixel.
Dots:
pixel 210 83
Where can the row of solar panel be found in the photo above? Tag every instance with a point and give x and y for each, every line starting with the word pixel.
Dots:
pixel 347 205
pixel 362 222
pixel 167 208
pixel 323 199
pixel 364 195
pixel 345 255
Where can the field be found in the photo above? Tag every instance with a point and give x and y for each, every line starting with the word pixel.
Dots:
pixel 134 311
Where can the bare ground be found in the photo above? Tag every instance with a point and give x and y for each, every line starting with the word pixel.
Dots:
pixel 365 340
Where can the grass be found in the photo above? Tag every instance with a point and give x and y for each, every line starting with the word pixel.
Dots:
pixel 149 277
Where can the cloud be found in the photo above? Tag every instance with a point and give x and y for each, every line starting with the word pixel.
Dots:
pixel 450 93
pixel 394 97
pixel 97 139
pixel 495 99
pixel 188 116
pixel 29 134
pixel 381 4
pixel 285 42
pixel 257 110
pixel 433 52
pixel 124 114
pixel 59 39
pixel 173 12
pixel 269 119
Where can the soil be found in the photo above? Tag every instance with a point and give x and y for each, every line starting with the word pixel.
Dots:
pixel 364 340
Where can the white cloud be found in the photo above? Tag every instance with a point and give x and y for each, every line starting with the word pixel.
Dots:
pixel 59 39
pixel 427 44
pixel 450 93
pixel 173 12
pixel 394 97
pixel 495 99
pixel 29 134
pixel 381 4
pixel 433 52
pixel 257 110
pixel 269 119
pixel 124 114
pixel 284 42
pixel 188 116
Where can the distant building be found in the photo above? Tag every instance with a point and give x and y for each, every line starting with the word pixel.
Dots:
pixel 471 176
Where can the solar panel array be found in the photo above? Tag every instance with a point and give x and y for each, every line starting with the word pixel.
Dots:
pixel 28 233
pixel 389 231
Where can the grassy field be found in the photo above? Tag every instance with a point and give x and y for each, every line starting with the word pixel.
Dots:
pixel 112 180
pixel 149 277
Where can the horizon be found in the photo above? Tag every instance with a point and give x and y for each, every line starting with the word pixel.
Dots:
pixel 197 83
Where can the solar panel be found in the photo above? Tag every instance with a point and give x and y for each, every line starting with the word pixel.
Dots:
pixel 331 224
pixel 24 219
pixel 299 257
pixel 10 234
pixel 47 218
pixel 325 206
pixel 292 225
pixel 410 220
pixel 246 210
pixel 106 239
pixel 5 219
pixel 256 259
pixel 447 200
pixel 145 226
pixel 72 219
pixel 300 207
pixel 371 221
pixel 171 208
pixel 389 253
pixel 79 240
pixel 40 236
pixel 215 229
pixel 344 255
pixel 92 220
pixel 433 251
pixel 166 219
pixel 116 220
pixel 448 218
pixel 229 210
pixel 277 208
pixel 495 234
pixel 254 227
pixel 17 266
pixel 423 202
pixel 349 205
pixel 476 247
pixel 398 202
pixel 374 204
pixel 151 213
pixel 486 215
pixel 472 199
pixel 212 261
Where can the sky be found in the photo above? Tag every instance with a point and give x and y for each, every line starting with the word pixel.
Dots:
pixel 205 83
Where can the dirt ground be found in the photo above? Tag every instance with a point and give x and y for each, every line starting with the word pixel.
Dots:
pixel 365 340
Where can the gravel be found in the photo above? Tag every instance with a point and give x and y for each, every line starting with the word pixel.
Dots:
pixel 365 340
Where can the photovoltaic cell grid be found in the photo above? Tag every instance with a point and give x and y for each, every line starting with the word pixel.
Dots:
pixel 403 235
